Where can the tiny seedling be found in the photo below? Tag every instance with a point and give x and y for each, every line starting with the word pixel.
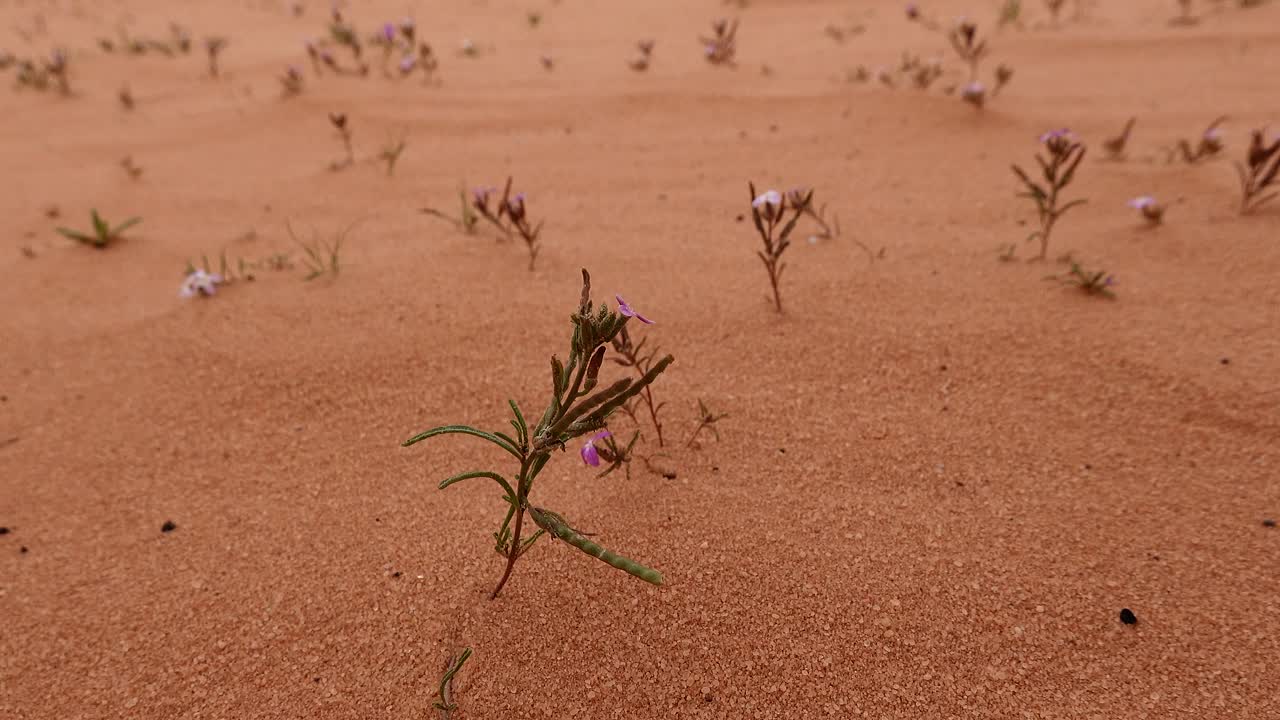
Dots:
pixel 213 47
pixel 1259 172
pixel 467 219
pixel 1096 283
pixel 103 234
pixel 1010 14
pixel 1115 145
pixel 125 96
pixel 1004 74
pixel 767 212
pixel 632 355
pixel 1185 18
pixel 339 123
pixel 1064 155
pixel 706 421
pixel 1055 8
pixel 445 704
pixel 291 82
pixel 132 169
pixel 576 408
pixel 722 46
pixel 320 256
pixel 1150 209
pixel 1209 145
pixel 644 55
pixel 391 152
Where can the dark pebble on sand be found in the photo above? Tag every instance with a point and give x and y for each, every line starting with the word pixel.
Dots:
pixel 168 526
pixel 1127 617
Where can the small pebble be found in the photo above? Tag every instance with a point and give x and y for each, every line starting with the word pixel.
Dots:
pixel 168 526
pixel 23 550
pixel 1127 617
pixel 4 530
pixel 1269 522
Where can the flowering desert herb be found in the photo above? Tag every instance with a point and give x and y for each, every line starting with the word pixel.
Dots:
pixel 103 234
pixel 515 209
pixel 1115 145
pixel 706 421
pixel 577 408
pixel 1090 282
pixel 1057 170
pixel 445 704
pixel 495 215
pixel 1259 172
pixel 644 55
pixel 603 446
pixel 964 40
pixel 632 355
pixel 214 47
pixel 391 152
pixel 1210 143
pixel 722 46
pixel 1151 210
pixel 339 123
pixel 767 212
pixel 199 283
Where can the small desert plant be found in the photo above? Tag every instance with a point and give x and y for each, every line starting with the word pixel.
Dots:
pixel 1259 172
pixel 291 82
pixel 515 209
pixel 964 40
pixel 200 282
pixel 722 46
pixel 339 123
pixel 467 219
pixel 1150 209
pixel 1055 8
pixel 1184 14
pixel 1010 13
pixel 706 421
pixel 767 212
pixel 1209 145
pixel 1090 282
pixel 213 47
pixel 644 55
pixel 1064 155
pixel 573 411
pixel 125 96
pixel 632 355
pixel 320 256
pixel 103 234
pixel 1115 145
pixel 445 704
pixel 132 169
pixel 391 152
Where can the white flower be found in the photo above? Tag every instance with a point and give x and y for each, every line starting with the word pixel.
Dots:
pixel 1142 203
pixel 200 282
pixel 768 204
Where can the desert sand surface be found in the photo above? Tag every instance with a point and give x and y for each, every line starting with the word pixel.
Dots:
pixel 941 477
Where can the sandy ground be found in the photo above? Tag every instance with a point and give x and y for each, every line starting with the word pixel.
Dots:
pixel 941 479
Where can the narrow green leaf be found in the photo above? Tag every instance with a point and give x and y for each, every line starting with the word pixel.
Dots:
pixel 479 474
pixel 463 430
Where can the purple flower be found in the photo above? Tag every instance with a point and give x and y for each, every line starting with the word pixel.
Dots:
pixel 913 11
pixel 1150 209
pixel 388 33
pixel 480 197
pixel 627 311
pixel 590 455
pixel 200 282
pixel 407 64
pixel 1060 134
pixel 515 207
pixel 975 93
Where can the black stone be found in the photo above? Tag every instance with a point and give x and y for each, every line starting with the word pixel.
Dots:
pixel 168 526
pixel 23 550
pixel 4 530
pixel 1127 617
pixel 1268 523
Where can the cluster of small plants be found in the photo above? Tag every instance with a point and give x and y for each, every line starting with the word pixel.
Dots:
pixel 203 279
pixel 508 215
pixel 176 42
pixel 721 46
pixel 923 74
pixel 345 50
pixel 50 73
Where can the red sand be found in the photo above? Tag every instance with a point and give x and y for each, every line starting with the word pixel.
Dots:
pixel 941 478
